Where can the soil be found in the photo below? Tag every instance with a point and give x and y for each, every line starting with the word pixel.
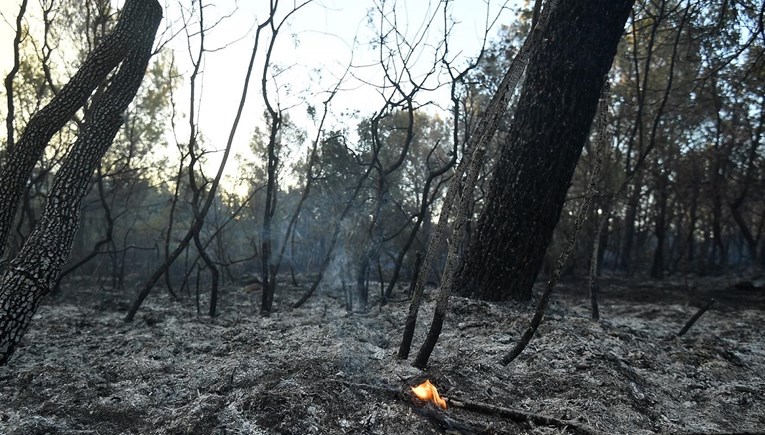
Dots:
pixel 321 370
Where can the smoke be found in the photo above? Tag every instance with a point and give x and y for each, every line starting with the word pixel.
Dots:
pixel 339 271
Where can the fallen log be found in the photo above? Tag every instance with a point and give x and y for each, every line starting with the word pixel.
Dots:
pixel 522 417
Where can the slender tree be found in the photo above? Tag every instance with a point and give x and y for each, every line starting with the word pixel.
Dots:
pixel 275 123
pixel 9 117
pixel 209 196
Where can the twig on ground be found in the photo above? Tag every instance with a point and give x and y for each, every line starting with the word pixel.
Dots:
pixel 695 317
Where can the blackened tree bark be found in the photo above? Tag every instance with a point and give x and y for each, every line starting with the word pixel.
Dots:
pixel 555 111
pixel 31 275
pixel 105 241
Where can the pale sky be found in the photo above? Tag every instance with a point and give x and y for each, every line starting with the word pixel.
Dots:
pixel 316 47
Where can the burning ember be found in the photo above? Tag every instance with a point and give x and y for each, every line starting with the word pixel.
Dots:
pixel 428 392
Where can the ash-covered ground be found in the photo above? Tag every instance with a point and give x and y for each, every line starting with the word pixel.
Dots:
pixel 320 370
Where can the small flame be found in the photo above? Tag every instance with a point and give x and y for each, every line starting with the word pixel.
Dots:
pixel 428 392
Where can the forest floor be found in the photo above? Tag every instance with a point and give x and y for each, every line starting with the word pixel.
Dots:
pixel 320 370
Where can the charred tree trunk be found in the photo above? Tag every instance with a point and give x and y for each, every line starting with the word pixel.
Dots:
pixel 480 138
pixel 268 272
pixel 31 275
pixel 276 123
pixel 551 124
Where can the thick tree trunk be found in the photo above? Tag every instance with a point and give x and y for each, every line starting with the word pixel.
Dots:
pixel 551 124
pixel 50 119
pixel 31 275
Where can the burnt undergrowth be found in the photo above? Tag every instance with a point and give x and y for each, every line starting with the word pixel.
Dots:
pixel 321 370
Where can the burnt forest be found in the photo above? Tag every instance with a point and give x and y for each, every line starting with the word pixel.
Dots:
pixel 382 217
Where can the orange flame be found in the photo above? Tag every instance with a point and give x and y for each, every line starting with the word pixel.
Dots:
pixel 428 392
